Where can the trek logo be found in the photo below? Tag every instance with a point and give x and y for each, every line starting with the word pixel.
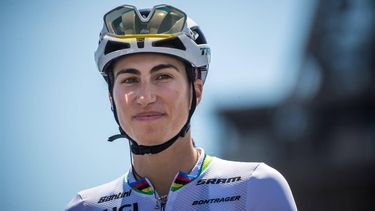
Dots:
pixel 115 196
pixel 125 207
pixel 205 51
pixel 218 180
pixel 216 200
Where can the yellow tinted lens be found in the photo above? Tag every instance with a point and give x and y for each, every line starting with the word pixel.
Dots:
pixel 130 36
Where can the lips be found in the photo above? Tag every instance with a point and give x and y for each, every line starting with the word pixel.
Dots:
pixel 148 116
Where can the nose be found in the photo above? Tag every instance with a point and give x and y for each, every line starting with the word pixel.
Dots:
pixel 146 94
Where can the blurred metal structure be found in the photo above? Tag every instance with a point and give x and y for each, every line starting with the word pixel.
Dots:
pixel 322 137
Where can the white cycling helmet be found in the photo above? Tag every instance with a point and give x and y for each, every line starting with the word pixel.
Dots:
pixel 162 29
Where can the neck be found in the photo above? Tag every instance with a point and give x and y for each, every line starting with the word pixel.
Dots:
pixel 161 168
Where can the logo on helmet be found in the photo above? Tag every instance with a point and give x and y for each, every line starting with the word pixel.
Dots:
pixel 205 51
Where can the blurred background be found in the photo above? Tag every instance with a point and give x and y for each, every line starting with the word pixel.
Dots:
pixel 291 83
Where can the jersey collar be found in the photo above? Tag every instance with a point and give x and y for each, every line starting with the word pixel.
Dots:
pixel 144 186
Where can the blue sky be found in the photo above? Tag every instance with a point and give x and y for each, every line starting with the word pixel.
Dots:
pixel 55 115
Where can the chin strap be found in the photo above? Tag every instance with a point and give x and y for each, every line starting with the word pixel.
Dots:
pixel 154 149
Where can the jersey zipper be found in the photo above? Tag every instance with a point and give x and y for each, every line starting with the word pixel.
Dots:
pixel 161 203
pixel 162 207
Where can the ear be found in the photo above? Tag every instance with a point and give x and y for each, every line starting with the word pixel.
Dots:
pixel 198 86
pixel 110 100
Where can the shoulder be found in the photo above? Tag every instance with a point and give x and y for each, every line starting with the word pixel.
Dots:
pixel 267 179
pixel 233 167
pixel 269 190
pixel 91 196
pixel 265 187
pixel 257 174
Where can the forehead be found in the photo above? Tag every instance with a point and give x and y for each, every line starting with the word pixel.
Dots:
pixel 146 61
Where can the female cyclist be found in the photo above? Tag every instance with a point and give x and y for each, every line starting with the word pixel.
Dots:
pixel 155 62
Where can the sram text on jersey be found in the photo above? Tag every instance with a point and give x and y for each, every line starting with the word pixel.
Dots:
pixel 218 180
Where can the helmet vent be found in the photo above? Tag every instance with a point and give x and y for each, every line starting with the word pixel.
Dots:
pixel 200 39
pixel 115 46
pixel 140 42
pixel 174 42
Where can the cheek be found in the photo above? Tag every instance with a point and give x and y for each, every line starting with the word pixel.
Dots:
pixel 179 96
pixel 116 96
pixel 122 98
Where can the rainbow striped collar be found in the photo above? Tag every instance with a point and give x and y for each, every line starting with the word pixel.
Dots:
pixel 144 186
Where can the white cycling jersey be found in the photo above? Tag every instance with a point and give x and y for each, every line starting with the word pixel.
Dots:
pixel 213 184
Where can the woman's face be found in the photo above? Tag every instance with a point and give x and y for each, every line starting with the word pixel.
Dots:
pixel 152 96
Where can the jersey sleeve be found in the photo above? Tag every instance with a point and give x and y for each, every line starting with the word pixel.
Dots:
pixel 269 191
pixel 76 204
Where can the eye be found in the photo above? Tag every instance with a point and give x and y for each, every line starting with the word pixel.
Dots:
pixel 130 80
pixel 163 77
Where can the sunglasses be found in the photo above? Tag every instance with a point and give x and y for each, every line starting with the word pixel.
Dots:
pixel 160 20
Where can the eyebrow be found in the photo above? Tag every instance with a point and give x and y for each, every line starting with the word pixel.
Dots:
pixel 153 69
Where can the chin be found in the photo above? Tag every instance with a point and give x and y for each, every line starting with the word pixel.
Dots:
pixel 152 134
pixel 151 137
pixel 150 141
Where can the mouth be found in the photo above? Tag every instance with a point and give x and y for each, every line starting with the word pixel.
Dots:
pixel 148 116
